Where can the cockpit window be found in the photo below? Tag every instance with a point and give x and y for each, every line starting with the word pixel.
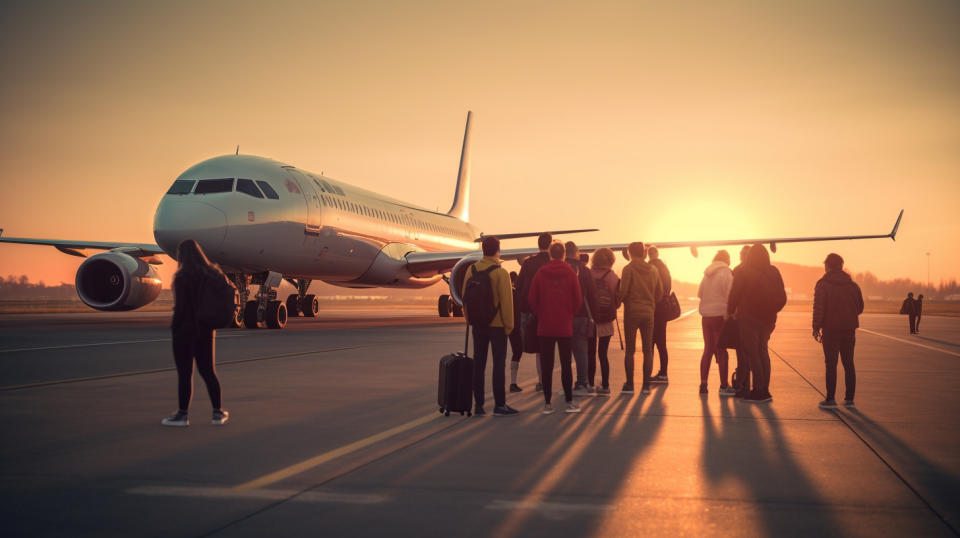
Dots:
pixel 268 190
pixel 181 186
pixel 246 186
pixel 211 186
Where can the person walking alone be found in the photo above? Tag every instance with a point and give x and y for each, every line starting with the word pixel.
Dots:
pixel 639 290
pixel 713 292
pixel 555 297
pixel 837 305
pixel 191 340
pixel 660 316
pixel 755 298
pixel 606 282
pixel 497 302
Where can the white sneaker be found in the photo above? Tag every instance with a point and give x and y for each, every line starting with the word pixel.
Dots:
pixel 572 408
pixel 547 409
pixel 178 419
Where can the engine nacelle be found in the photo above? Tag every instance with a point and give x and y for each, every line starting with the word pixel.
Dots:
pixel 116 281
pixel 456 276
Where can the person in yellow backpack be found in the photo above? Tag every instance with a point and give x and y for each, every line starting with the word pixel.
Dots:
pixel 490 333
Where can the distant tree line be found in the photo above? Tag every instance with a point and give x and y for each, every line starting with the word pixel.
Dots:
pixel 20 287
pixel 899 287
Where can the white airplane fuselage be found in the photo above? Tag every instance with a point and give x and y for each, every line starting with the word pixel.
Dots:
pixel 310 226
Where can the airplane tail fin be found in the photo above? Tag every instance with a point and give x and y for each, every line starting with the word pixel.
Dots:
pixel 461 197
pixel 893 234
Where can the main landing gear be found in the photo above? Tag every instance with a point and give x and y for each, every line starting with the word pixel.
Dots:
pixel 447 307
pixel 302 302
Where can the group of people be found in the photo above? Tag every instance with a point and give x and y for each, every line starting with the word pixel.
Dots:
pixel 913 308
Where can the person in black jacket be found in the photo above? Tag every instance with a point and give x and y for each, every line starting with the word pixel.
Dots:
pixel 528 325
pixel 837 303
pixel 918 307
pixel 755 298
pixel 191 339
pixel 909 307
pixel 583 327
pixel 659 316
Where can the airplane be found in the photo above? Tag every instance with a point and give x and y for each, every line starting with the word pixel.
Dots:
pixel 264 221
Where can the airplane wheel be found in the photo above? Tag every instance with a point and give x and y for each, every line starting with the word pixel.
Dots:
pixel 275 315
pixel 310 306
pixel 293 305
pixel 443 306
pixel 457 310
pixel 250 315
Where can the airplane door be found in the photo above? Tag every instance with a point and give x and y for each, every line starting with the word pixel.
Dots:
pixel 310 198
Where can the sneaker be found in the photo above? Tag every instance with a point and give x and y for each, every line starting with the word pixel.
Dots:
pixel 572 408
pixel 829 403
pixel 504 411
pixel 703 389
pixel 603 391
pixel 177 419
pixel 627 388
pixel 515 388
pixel 759 398
pixel 539 387
pixel 579 389
pixel 727 391
pixel 645 390
pixel 547 409
pixel 849 403
pixel 220 416
pixel 592 390
pixel 479 412
pixel 741 394
pixel 660 379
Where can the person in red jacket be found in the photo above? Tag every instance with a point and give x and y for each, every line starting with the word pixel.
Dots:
pixel 555 297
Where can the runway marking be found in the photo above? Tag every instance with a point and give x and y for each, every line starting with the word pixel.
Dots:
pixel 320 459
pixel 550 510
pixel 259 494
pixel 904 341
pixel 158 370
pixel 94 344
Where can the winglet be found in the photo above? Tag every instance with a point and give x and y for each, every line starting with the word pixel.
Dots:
pixel 461 197
pixel 893 234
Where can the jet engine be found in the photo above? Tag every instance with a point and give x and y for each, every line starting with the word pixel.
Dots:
pixel 457 275
pixel 116 281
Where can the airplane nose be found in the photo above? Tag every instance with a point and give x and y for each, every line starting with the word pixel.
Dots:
pixel 178 219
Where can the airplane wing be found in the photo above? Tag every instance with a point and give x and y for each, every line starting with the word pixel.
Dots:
pixel 441 262
pixel 76 248
pixel 532 234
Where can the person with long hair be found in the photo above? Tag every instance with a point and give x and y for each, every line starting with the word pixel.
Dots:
pixel 192 340
pixel 713 292
pixel 604 315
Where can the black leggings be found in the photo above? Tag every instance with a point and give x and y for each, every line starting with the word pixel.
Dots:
pixel 546 366
pixel 592 351
pixel 660 341
pixel 201 345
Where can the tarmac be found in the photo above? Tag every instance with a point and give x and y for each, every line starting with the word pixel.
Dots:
pixel 334 431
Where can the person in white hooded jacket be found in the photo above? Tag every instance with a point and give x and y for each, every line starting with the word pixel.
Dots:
pixel 713 292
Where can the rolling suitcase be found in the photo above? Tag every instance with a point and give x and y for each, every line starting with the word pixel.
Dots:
pixel 455 385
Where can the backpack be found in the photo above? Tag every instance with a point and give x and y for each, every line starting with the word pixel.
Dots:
pixel 769 297
pixel 478 297
pixel 217 302
pixel 606 310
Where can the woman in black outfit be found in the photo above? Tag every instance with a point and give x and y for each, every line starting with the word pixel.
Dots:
pixel 191 340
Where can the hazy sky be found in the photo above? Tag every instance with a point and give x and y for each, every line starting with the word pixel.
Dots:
pixel 651 121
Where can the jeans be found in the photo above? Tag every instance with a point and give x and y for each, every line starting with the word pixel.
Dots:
pixel 632 323
pixel 754 338
pixel 582 332
pixel 840 343
pixel 660 341
pixel 202 345
pixel 497 340
pixel 598 346
pixel 711 335
pixel 546 366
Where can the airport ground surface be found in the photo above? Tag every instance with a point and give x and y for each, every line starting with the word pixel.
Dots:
pixel 334 432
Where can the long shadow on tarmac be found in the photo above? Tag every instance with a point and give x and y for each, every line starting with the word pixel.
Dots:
pixel 764 465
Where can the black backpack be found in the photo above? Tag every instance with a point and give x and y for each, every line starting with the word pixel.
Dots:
pixel 217 302
pixel 478 297
pixel 606 310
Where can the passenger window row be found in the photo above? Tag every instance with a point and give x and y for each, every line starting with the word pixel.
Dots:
pixel 399 219
pixel 213 186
